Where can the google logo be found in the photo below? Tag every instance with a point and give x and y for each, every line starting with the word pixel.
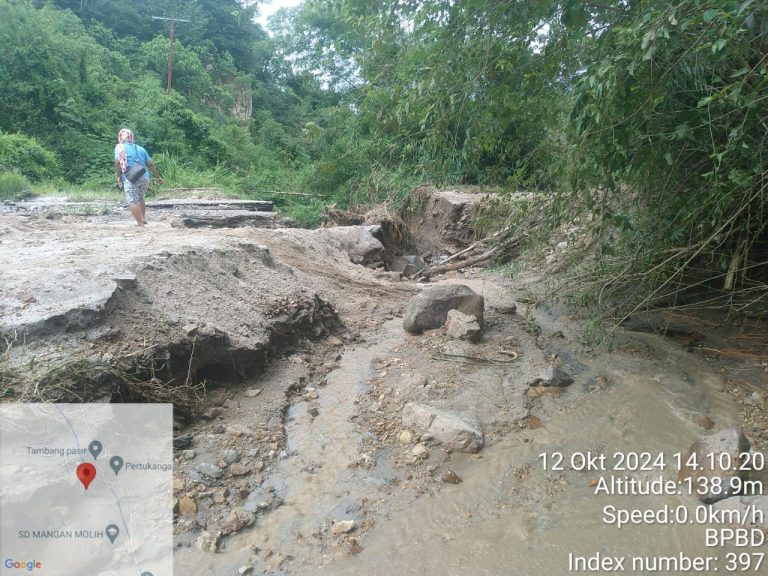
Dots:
pixel 31 565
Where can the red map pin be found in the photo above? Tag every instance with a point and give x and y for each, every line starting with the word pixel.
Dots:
pixel 86 473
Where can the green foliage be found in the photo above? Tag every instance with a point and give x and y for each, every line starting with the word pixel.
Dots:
pixel 305 214
pixel 75 72
pixel 179 173
pixel 450 91
pixel 13 186
pixel 673 109
pixel 54 77
pixel 189 74
pixel 26 156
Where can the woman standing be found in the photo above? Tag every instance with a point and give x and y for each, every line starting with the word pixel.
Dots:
pixel 128 154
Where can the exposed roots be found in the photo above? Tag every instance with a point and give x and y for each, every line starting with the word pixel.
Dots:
pixel 83 380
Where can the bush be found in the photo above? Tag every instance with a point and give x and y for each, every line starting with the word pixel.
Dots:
pixel 13 186
pixel 305 214
pixel 26 156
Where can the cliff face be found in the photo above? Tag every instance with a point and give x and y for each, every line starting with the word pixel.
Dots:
pixel 242 108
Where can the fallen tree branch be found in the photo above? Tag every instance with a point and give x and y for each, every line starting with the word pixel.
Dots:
pixel 443 268
pixel 475 245
pixel 501 248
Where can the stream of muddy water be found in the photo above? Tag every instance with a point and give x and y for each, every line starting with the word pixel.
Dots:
pixel 509 515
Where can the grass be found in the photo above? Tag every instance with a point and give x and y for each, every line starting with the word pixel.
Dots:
pixel 14 186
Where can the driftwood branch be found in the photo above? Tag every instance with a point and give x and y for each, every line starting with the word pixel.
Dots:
pixel 503 248
pixel 474 246
pixel 443 268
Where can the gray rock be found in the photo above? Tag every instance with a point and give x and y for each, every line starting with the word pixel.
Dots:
pixel 754 399
pixel 238 470
pixel 188 454
pixel 359 242
pixel 209 470
pixel 239 430
pixel 194 475
pixel 252 503
pixel 450 477
pixel 208 542
pixel 342 526
pixel 505 306
pixel 420 451
pixel 183 441
pixel 405 437
pixel 408 265
pixel 552 376
pixel 258 501
pixel 231 456
pixel 187 507
pixel 443 427
pixel 463 326
pixel 708 452
pixel 429 309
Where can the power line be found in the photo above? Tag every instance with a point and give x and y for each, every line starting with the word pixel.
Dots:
pixel 172 27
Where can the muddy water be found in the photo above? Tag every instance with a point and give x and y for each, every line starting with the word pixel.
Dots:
pixel 318 476
pixel 498 522
pixel 508 516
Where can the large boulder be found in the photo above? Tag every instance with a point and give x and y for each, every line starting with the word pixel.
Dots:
pixel 429 308
pixel 445 428
pixel 360 243
pixel 711 455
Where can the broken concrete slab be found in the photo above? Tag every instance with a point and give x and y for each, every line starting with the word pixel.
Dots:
pixel 77 307
pixel 232 219
pixel 185 203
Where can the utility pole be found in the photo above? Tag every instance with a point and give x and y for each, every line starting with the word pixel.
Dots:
pixel 172 27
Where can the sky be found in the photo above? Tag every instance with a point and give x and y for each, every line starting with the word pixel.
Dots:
pixel 268 8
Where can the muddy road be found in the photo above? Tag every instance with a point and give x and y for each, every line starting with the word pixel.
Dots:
pixel 285 355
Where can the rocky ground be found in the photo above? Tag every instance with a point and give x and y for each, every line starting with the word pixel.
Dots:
pixel 314 434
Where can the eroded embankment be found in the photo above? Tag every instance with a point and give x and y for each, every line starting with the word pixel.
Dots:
pixel 91 304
